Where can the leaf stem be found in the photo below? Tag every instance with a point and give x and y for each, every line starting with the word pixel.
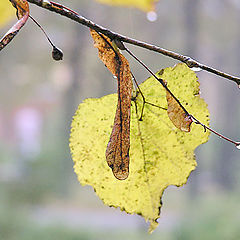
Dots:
pixel 57 53
pixel 50 41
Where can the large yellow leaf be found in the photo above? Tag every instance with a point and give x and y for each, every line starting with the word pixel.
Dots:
pixel 145 5
pixel 7 12
pixel 160 154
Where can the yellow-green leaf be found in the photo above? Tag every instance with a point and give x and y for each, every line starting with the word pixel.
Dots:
pixel 7 12
pixel 145 5
pixel 160 154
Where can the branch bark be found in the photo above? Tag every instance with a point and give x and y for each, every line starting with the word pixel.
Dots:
pixel 65 11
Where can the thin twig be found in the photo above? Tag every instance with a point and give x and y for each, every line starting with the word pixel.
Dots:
pixel 49 40
pixel 158 79
pixel 237 144
pixel 144 99
pixel 67 12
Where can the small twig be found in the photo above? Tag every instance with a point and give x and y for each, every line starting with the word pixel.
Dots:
pixel 67 12
pixel 237 144
pixel 144 99
pixel 158 79
pixel 49 40
pixel 57 53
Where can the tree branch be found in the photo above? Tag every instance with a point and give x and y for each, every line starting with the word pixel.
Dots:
pixel 65 11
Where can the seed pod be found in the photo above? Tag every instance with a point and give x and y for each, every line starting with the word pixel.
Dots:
pixel 57 53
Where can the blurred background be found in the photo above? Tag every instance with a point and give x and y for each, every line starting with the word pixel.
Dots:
pixel 40 197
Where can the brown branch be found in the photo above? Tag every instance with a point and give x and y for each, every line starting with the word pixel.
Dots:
pixel 67 12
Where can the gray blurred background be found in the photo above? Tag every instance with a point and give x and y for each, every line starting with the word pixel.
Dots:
pixel 40 197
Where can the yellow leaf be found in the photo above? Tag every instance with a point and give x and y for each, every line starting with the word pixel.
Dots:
pixel 160 154
pixel 144 5
pixel 7 12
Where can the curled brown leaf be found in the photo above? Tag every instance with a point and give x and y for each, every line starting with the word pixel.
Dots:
pixel 177 114
pixel 117 152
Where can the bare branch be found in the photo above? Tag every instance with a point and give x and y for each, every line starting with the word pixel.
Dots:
pixel 67 12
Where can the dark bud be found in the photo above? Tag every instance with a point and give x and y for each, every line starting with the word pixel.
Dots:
pixel 57 54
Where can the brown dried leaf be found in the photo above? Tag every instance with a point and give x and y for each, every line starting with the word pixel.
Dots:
pixel 181 119
pixel 177 113
pixel 117 152
pixel 22 14
pixel 21 6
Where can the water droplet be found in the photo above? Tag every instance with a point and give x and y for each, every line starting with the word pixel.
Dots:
pixel 152 16
pixel 196 69
pixel 238 145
